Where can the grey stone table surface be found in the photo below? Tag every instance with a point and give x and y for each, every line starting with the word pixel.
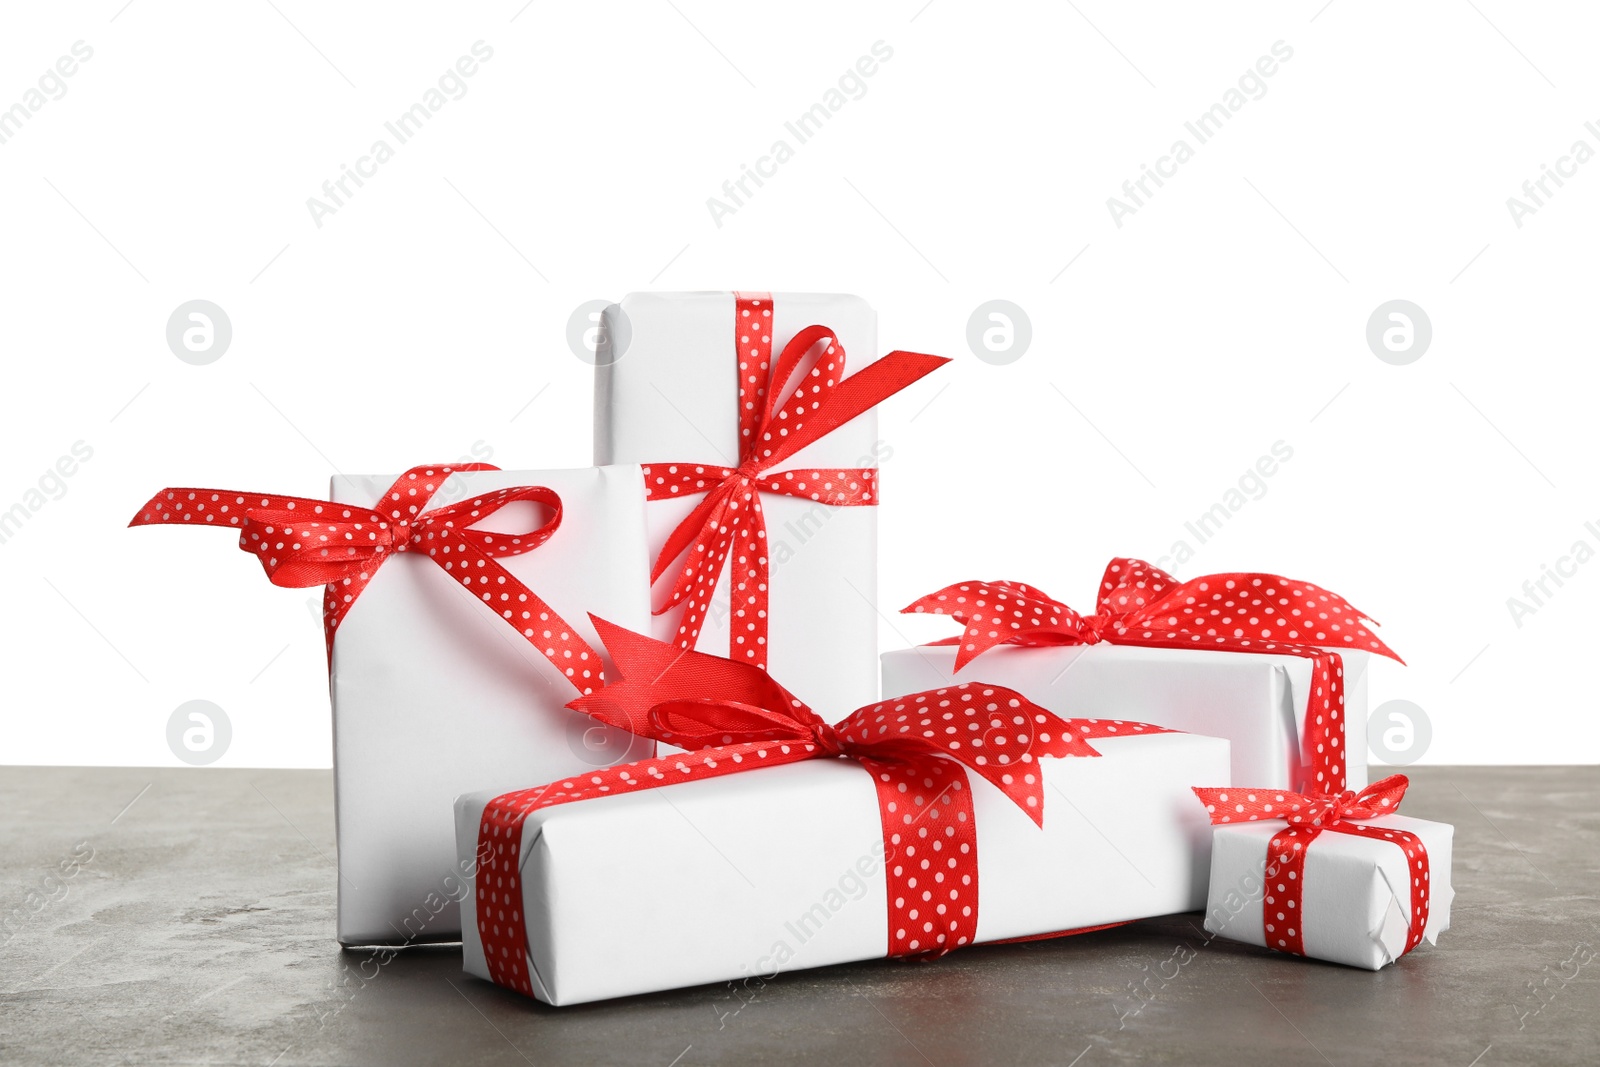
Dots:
pixel 179 916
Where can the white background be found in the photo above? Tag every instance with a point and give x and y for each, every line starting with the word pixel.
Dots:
pixel 426 317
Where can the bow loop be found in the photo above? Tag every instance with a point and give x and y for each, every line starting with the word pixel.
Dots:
pixel 710 723
pixel 457 520
pixel 996 613
pixel 1130 585
pixel 702 694
pixel 779 417
pixel 297 548
pixel 1380 798
pixel 1262 607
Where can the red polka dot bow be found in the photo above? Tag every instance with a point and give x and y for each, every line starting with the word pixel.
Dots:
pixel 1306 817
pixel 1140 604
pixel 771 430
pixel 1230 805
pixel 301 541
pixel 734 717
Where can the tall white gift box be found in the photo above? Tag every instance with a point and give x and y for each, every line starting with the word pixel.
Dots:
pixel 684 383
pixel 456 602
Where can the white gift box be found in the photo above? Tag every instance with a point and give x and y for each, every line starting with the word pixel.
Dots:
pixel 781 868
pixel 1257 701
pixel 671 396
pixel 433 693
pixel 1356 894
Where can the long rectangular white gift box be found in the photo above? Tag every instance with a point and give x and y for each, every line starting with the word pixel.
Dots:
pixel 781 868
pixel 434 694
pixel 1256 701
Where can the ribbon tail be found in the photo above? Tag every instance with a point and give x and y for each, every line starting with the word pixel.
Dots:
pixel 692 530
pixel 552 636
pixel 705 554
pixel 747 587
pixel 854 395
pixel 216 507
pixel 656 672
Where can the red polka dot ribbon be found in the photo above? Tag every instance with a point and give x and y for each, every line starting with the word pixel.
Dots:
pixel 302 542
pixel 733 717
pixel 1308 817
pixel 729 520
pixel 1143 605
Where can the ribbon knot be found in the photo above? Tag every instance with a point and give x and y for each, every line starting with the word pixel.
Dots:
pixel 1093 627
pixel 402 538
pixel 1340 808
pixel 828 739
pixel 296 550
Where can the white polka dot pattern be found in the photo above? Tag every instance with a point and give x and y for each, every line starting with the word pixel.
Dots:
pixel 729 522
pixel 1307 816
pixel 1140 604
pixel 301 542
pixel 918 749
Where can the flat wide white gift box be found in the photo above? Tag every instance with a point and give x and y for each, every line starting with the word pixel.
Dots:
pixel 1356 903
pixel 433 693
pixel 781 868
pixel 672 396
pixel 1256 701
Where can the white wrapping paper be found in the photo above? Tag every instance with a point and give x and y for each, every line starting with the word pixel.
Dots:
pixel 1256 701
pixel 672 396
pixel 1357 892
pixel 433 694
pixel 778 869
